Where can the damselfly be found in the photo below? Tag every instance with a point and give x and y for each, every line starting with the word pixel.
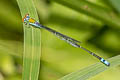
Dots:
pixel 71 41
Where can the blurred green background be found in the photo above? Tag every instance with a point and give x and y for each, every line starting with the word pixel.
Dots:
pixel 58 57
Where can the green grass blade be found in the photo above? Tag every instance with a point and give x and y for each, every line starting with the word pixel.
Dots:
pixel 116 4
pixel 92 70
pixel 32 47
pixel 105 15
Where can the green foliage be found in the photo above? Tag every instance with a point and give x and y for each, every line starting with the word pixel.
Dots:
pixel 32 47
pixel 93 10
pixel 94 22
pixel 115 4
pixel 92 70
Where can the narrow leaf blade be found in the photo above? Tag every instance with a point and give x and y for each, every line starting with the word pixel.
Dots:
pixel 92 70
pixel 32 47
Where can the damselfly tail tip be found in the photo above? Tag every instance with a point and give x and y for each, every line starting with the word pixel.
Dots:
pixel 105 62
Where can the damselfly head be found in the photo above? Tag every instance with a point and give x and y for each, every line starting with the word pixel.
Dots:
pixel 26 19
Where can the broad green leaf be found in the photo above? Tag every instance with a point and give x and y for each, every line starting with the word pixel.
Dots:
pixel 32 45
pixel 92 70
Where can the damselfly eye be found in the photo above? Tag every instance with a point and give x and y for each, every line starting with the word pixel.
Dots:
pixel 27 17
pixel 24 19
